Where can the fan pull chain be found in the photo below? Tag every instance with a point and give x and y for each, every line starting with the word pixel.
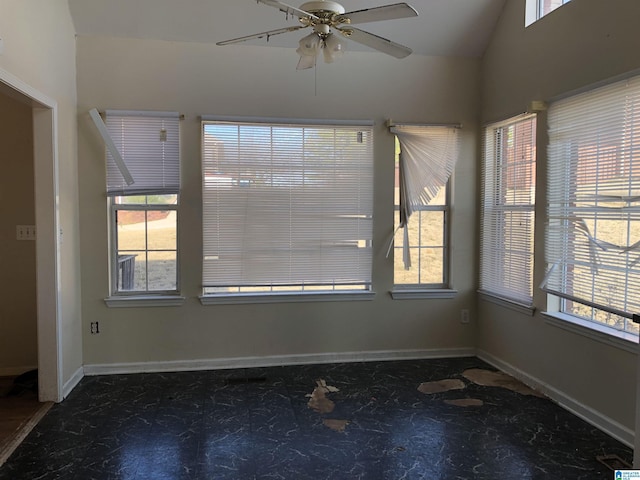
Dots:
pixel 315 80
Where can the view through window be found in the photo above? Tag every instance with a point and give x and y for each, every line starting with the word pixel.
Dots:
pixel 427 234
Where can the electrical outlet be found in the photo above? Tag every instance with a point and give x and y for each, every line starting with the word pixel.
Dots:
pixel 464 316
pixel 95 328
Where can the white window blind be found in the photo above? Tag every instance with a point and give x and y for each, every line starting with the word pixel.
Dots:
pixel 507 210
pixel 149 144
pixel 287 204
pixel 428 156
pixel 593 236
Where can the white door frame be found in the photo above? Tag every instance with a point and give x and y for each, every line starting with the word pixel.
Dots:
pixel 45 157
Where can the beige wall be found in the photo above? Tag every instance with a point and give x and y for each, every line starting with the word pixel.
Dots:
pixel 18 345
pixel 197 79
pixel 39 50
pixel 584 42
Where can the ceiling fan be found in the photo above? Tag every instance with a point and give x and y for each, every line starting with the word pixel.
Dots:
pixel 326 17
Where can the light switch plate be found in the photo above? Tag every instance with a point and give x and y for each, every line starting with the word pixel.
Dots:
pixel 25 232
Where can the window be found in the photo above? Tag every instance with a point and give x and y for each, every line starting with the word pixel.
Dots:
pixel 144 253
pixel 536 9
pixel 425 159
pixel 507 215
pixel 593 235
pixel 287 207
pixel 548 6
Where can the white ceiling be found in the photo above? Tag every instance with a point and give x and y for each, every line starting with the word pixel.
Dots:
pixel 460 28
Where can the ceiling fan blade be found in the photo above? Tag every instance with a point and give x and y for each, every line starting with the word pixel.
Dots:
pixel 266 35
pixel 288 9
pixel 386 12
pixel 374 41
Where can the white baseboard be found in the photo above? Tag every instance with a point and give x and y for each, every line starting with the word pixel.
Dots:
pixel 276 360
pixel 15 371
pixel 70 384
pixel 588 414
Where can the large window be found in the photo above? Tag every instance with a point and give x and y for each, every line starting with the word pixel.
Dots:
pixel 593 236
pixel 507 216
pixel 425 159
pixel 143 193
pixel 287 207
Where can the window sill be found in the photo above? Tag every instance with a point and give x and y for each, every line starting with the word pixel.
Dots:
pixel 144 301
pixel 511 304
pixel 600 333
pixel 242 298
pixel 415 293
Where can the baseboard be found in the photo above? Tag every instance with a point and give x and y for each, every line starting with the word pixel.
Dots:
pixel 588 414
pixel 276 360
pixel 15 371
pixel 70 384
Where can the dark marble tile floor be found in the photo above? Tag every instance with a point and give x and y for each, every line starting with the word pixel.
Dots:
pixel 257 424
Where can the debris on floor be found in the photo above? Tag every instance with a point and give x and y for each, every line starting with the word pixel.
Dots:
pixel 439 386
pixel 465 402
pixel 487 378
pixel 336 425
pixel 318 400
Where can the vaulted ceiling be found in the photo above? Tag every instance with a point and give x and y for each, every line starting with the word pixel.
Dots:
pixel 460 28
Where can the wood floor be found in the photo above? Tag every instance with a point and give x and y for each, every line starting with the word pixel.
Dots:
pixel 19 413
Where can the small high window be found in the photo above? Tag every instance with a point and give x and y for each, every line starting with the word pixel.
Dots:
pixel 536 9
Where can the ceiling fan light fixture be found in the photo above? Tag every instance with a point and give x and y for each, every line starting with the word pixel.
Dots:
pixel 309 45
pixel 333 48
pixel 306 62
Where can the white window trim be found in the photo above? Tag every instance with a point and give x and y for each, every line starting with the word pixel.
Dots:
pixel 399 293
pixel 495 297
pixel 136 135
pixel 145 301
pixel 446 173
pixel 554 297
pixel 138 294
pixel 287 297
pixel 399 289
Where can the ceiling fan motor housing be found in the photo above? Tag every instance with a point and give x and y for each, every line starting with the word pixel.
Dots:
pixel 323 6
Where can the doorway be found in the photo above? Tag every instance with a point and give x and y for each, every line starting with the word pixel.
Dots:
pixel 45 177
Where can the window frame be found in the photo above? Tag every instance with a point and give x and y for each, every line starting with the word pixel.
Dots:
pixel 149 145
pixel 445 208
pixel 115 276
pixel 571 146
pixel 541 10
pixel 534 10
pixel 429 153
pixel 298 292
pixel 492 186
